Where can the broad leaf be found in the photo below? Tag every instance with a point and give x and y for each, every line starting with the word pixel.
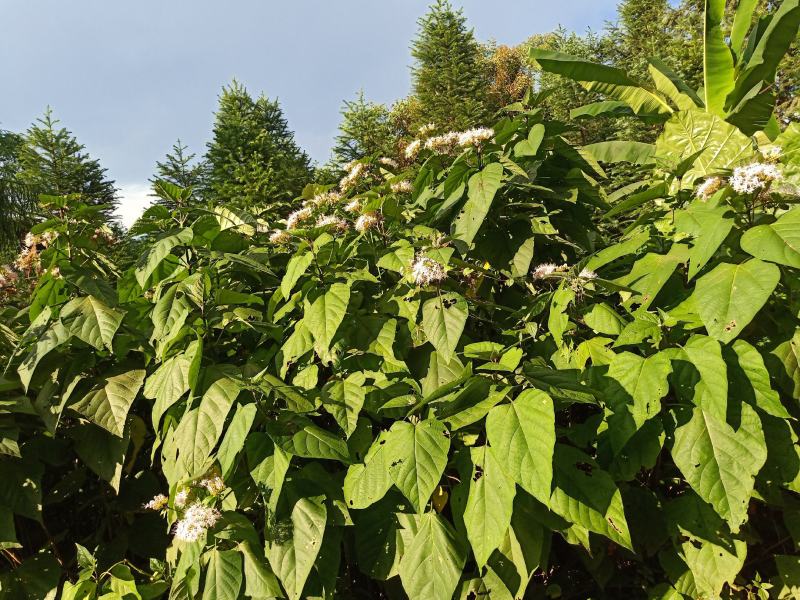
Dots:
pixel 323 317
pixel 223 575
pixel 92 321
pixel 443 319
pixel 416 456
pixel 158 252
pixel 730 296
pixel 480 192
pixel 108 405
pixel 432 564
pixel 778 242
pixel 522 435
pixel 367 483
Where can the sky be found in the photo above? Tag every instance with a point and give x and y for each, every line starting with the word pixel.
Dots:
pixel 128 78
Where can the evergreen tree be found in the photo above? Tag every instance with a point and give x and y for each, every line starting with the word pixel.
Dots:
pixel 17 202
pixel 253 158
pixel 366 130
pixel 450 76
pixel 179 168
pixel 52 161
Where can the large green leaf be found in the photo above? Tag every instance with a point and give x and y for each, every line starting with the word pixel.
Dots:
pixel 233 441
pixel 108 405
pixel 635 394
pixel 719 146
pixel 169 382
pixel 323 317
pixel 481 190
pixel 602 79
pixel 720 462
pixel 522 435
pixel 673 87
pixel 443 319
pixel 292 558
pixel 730 296
pixel 223 575
pixel 717 59
pixel 294 270
pixel 416 456
pixel 615 151
pixel 158 252
pixel 56 335
pixel 313 441
pixel 788 355
pixel 778 242
pixel 708 226
pixel 751 382
pixel 200 429
pixel 367 483
pixel 92 321
pixel 490 503
pixel 432 564
pixel 586 495
pixel 651 272
pixel 742 20
pixel 343 399
pixel 259 580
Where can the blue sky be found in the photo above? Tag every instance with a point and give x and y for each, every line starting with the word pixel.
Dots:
pixel 130 77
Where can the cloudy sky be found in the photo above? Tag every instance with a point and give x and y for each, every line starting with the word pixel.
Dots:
pixel 130 77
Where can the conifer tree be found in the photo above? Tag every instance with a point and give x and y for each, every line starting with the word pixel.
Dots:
pixel 17 202
pixel 366 130
pixel 450 77
pixel 179 168
pixel 252 158
pixel 53 162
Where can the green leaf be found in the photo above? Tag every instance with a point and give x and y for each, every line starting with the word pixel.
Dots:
pixel 314 442
pixel 293 558
pixel 718 145
pixel 201 428
pixel 651 272
pixel 297 265
pixel 167 385
pixel 416 456
pixel 730 296
pixel 615 151
pixel 603 319
pixel 721 463
pixel 259 580
pixel 788 355
pixel 101 451
pixel 432 564
pixel 635 396
pixel 367 483
pixel 490 502
pixel 753 386
pixel 742 20
pixel 323 317
pixel 90 320
pixel 223 576
pixel 718 71
pixel 158 252
pixel 443 319
pixel 522 433
pixel 672 86
pixel 586 495
pixel 233 441
pixel 701 376
pixel 530 146
pixel 108 406
pixel 344 399
pixel 54 337
pixel 481 190
pixel 602 79
pixel 708 226
pixel 778 242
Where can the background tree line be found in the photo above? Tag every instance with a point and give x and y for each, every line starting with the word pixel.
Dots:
pixel 458 82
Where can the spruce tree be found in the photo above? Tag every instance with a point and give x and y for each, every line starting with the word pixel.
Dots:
pixel 179 168
pixel 17 202
pixel 450 77
pixel 366 130
pixel 253 159
pixel 53 162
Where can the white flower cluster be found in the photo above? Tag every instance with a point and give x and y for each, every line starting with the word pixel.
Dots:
pixel 427 129
pixel 475 137
pixel 353 206
pixel 298 217
pixel 280 237
pixel 708 188
pixel 181 498
pixel 771 154
pixel 427 271
pixel 402 187
pixel 413 149
pixel 443 144
pixel 754 177
pixel 28 260
pixel 355 171
pixel 587 274
pixel 367 221
pixel 44 239
pixel 159 502
pixel 195 521
pixel 332 221
pixel 325 199
pixel 103 233
pixel 546 269
pixel 388 162
pixel 213 485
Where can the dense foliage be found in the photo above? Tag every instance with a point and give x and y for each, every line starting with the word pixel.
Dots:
pixel 480 368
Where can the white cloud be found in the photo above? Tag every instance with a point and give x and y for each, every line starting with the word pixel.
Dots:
pixel 134 198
